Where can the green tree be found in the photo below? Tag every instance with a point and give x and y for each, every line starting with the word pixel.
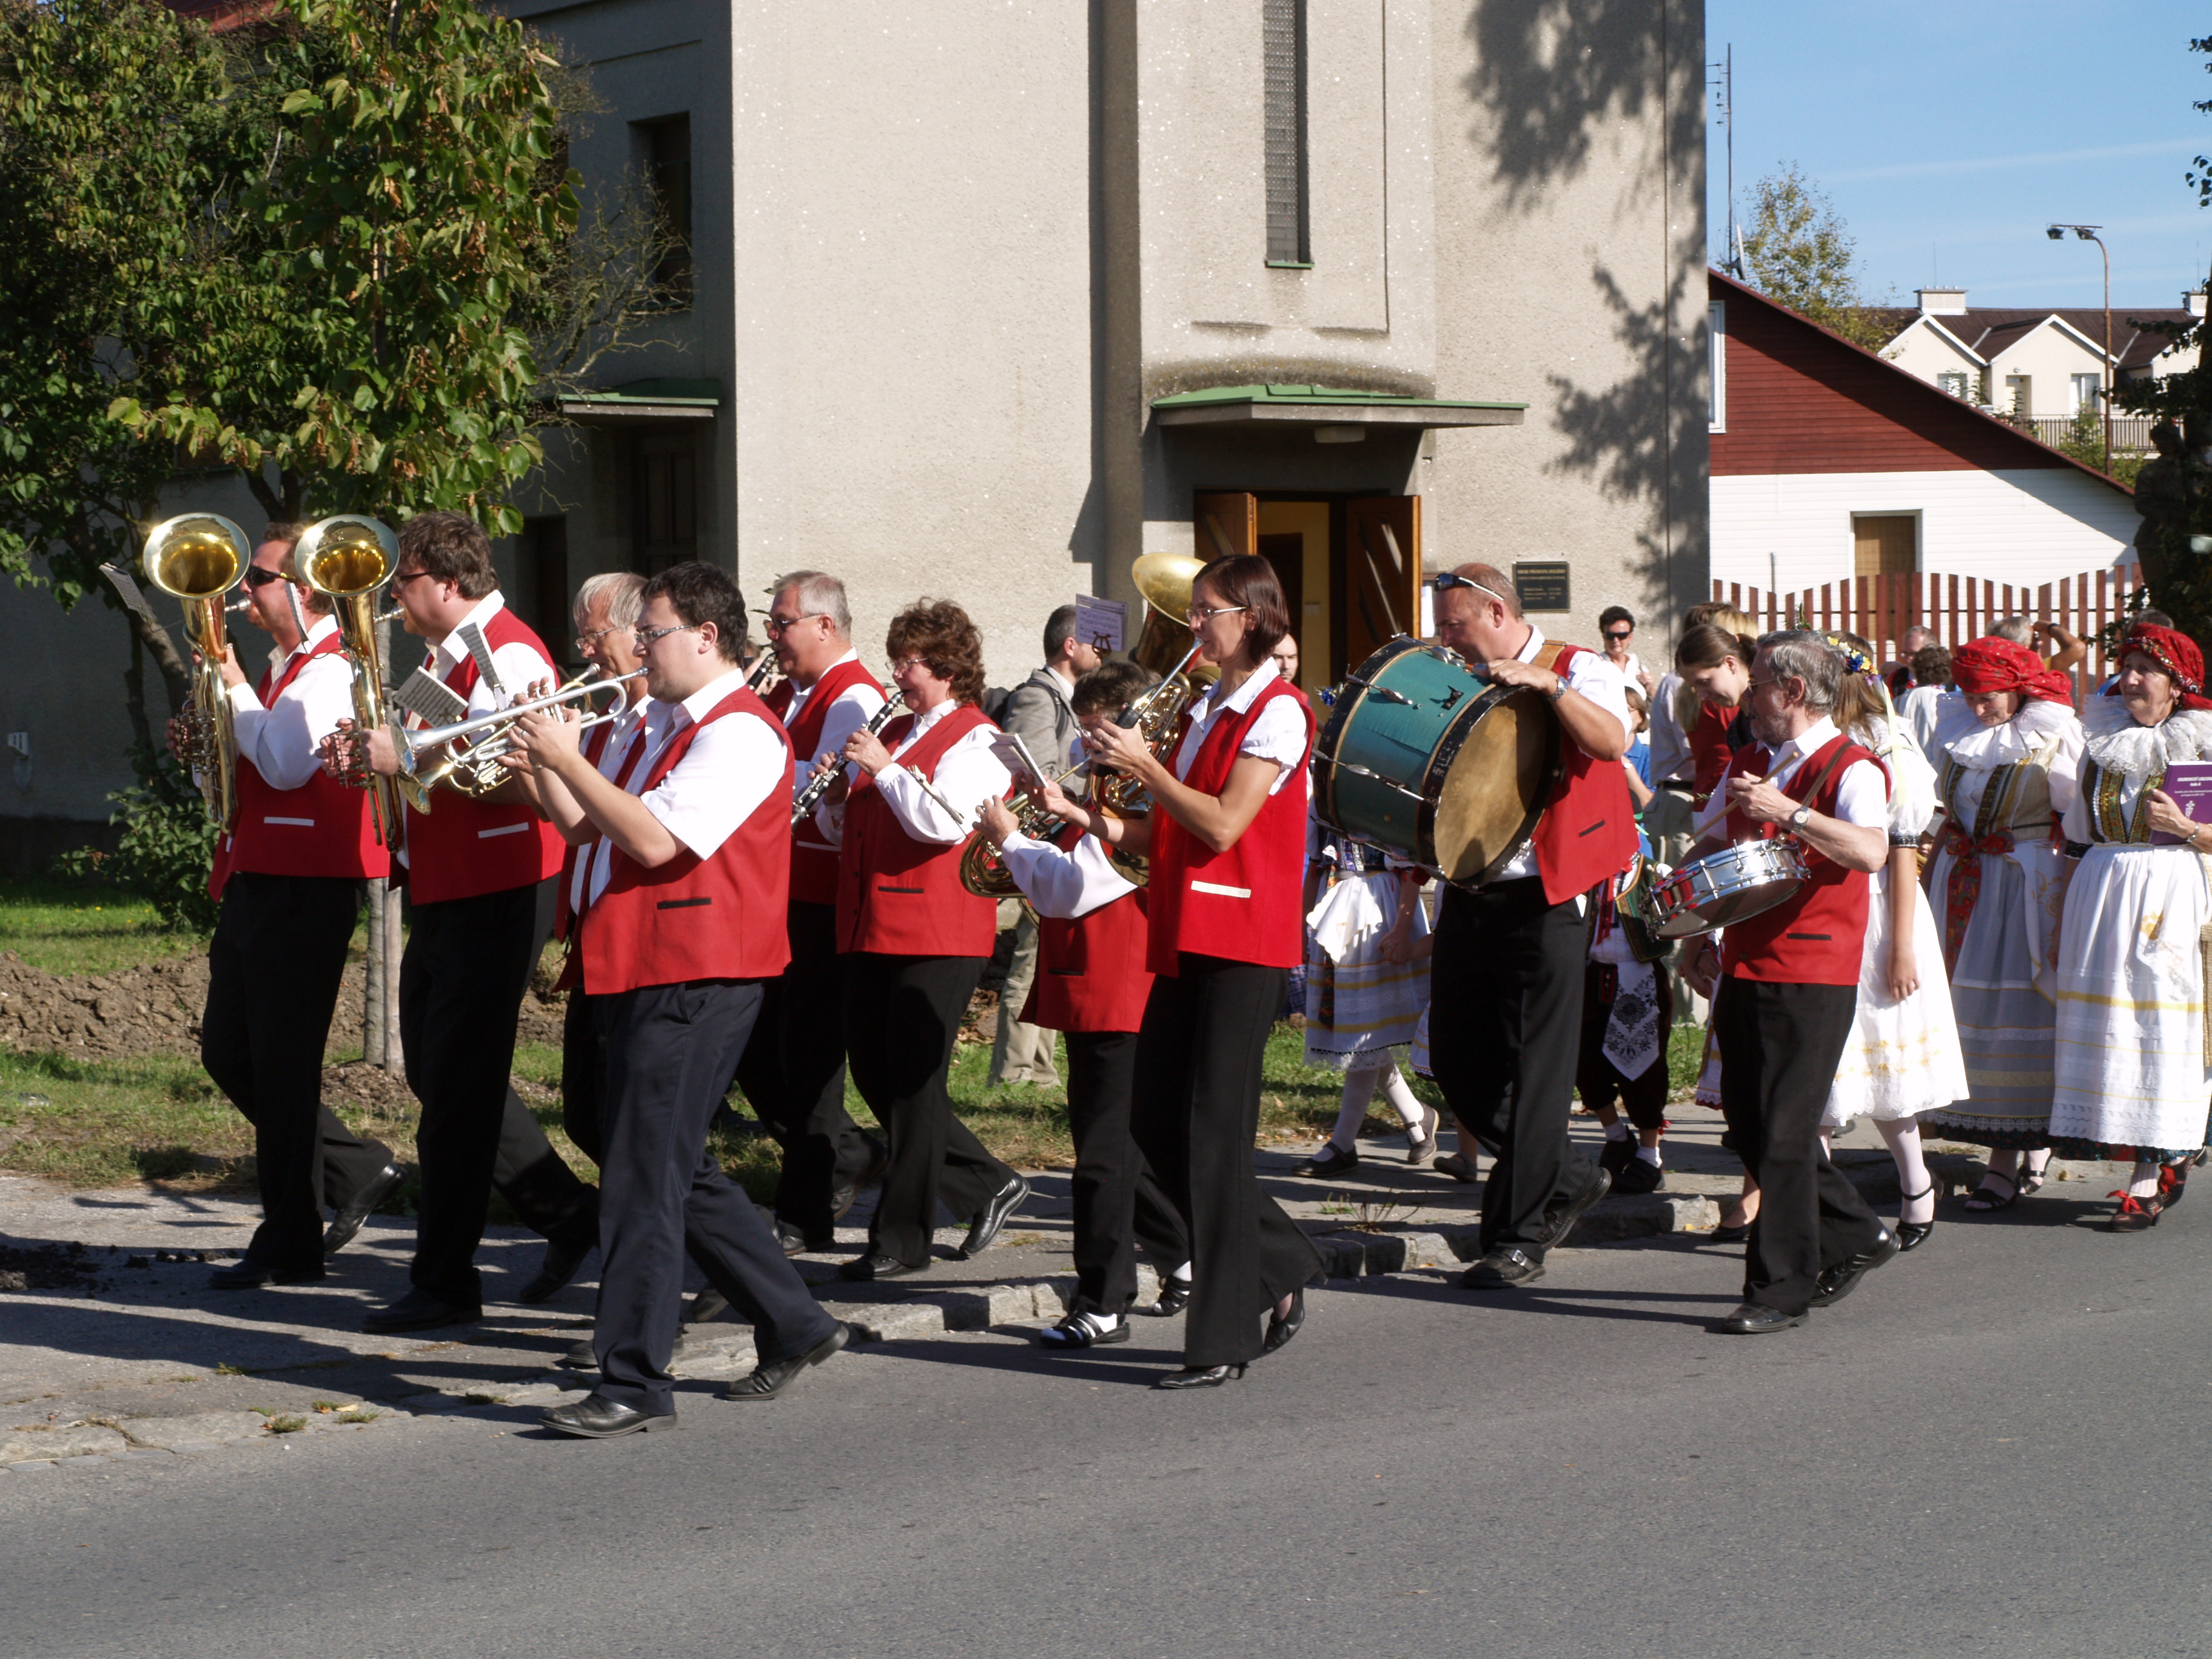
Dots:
pixel 1799 253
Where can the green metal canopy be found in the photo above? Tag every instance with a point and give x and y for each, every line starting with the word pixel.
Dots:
pixel 645 400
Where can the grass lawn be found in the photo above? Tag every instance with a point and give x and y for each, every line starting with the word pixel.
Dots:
pixel 75 928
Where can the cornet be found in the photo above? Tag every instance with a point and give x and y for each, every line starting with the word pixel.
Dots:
pixel 474 769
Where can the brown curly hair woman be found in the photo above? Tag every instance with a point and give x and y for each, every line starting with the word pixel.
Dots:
pixel 939 632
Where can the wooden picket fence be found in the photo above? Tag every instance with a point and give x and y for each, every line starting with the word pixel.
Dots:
pixel 1956 609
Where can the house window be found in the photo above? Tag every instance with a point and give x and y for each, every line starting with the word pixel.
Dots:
pixel 1717 330
pixel 1952 381
pixel 1884 543
pixel 2086 388
pixel 667 503
pixel 664 150
pixel 1283 52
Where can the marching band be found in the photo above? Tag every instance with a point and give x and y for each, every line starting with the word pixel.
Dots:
pixel 767 889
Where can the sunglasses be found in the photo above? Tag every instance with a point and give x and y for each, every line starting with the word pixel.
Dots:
pixel 257 577
pixel 1449 579
pixel 1620 638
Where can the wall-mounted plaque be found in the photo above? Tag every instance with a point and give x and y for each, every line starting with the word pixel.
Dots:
pixel 1541 586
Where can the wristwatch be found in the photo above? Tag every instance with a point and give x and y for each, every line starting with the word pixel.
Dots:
pixel 1559 687
pixel 1801 818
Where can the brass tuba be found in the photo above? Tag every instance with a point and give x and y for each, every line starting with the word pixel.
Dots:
pixel 198 558
pixel 1165 646
pixel 346 559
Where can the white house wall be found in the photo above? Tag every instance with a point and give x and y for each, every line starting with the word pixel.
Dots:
pixel 2027 526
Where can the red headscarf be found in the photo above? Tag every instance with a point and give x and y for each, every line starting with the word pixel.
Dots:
pixel 2175 652
pixel 1996 665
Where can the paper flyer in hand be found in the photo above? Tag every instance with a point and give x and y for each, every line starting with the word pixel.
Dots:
pixel 2189 783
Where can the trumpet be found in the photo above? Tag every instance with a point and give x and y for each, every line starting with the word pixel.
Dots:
pixel 804 803
pixel 472 769
pixel 346 559
pixel 197 558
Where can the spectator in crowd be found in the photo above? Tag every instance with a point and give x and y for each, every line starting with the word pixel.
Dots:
pixel 1041 712
pixel 1901 675
pixel 2036 636
pixel 1618 628
pixel 1922 708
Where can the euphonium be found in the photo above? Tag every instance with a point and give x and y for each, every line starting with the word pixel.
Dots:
pixel 983 873
pixel 1165 580
pixel 198 558
pixel 346 559
pixel 474 769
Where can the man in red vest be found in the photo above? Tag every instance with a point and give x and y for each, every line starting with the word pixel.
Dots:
pixel 1789 982
pixel 793 1072
pixel 689 876
pixel 481 898
pixel 1506 980
pixel 289 876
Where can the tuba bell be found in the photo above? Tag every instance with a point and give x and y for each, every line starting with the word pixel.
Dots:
pixel 347 559
pixel 1165 646
pixel 197 558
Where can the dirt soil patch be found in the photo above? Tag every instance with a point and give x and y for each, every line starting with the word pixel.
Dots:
pixel 49 1268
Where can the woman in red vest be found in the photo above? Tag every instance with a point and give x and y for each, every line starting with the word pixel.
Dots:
pixel 915 940
pixel 1227 841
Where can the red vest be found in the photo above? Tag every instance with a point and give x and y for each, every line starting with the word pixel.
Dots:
pixel 898 896
pixel 321 828
pixel 1244 904
pixel 1818 936
pixel 1708 750
pixel 462 848
pixel 814 860
pixel 1090 972
pixel 594 746
pixel 1588 832
pixel 691 919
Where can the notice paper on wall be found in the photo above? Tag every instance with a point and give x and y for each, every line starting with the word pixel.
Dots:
pixel 1100 624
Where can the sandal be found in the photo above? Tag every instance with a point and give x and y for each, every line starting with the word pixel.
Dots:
pixel 1912 1235
pixel 1082 1330
pixel 2031 1180
pixel 1986 1200
pixel 2134 1215
pixel 2173 1185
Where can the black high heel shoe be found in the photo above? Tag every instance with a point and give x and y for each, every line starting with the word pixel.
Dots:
pixel 1200 1377
pixel 1281 1328
pixel 1912 1235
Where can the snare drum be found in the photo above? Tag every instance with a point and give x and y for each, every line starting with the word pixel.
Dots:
pixel 1421 758
pixel 1728 886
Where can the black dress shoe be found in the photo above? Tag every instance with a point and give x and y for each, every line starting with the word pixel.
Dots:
pixel 1751 1320
pixel 1175 1297
pixel 1840 1280
pixel 1912 1235
pixel 991 1219
pixel 596 1418
pixel 1617 1155
pixel 796 1243
pixel 1282 1328
pixel 845 1193
pixel 562 1259
pixel 1082 1329
pixel 418 1310
pixel 1638 1176
pixel 766 1381
pixel 581 1358
pixel 865 1267
pixel 1503 1269
pixel 349 1221
pixel 1200 1377
pixel 1729 1234
pixel 1561 1222
pixel 246 1274
pixel 709 1303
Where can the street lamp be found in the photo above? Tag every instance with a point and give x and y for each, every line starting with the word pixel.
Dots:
pixel 2088 233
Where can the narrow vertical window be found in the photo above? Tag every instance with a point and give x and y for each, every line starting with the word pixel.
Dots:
pixel 1283 39
pixel 1716 334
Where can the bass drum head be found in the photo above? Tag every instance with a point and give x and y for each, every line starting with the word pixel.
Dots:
pixel 1497 767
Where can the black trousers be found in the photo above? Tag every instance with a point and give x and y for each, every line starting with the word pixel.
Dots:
pixel 1195 1112
pixel 901 1014
pixel 1597 1079
pixel 461 984
pixel 1780 1045
pixel 793 1073
pixel 1119 1202
pixel 1506 989
pixel 670 1051
pixel 273 971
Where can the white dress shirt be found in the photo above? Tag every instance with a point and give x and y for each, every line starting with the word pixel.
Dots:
pixel 1061 884
pixel 517 664
pixel 1593 675
pixel 967 775
pixel 1861 795
pixel 1279 735
pixel 589 879
pixel 847 715
pixel 280 740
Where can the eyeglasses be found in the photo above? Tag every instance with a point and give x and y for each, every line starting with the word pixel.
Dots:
pixel 586 641
pixel 401 578
pixel 645 636
pixel 776 626
pixel 257 577
pixel 1206 613
pixel 904 663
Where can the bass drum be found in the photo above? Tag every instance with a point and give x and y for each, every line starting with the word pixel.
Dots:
pixel 1423 759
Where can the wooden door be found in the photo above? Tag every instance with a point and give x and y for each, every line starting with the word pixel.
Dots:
pixel 1885 545
pixel 1381 573
pixel 1224 524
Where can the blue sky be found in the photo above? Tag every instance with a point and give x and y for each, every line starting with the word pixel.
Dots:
pixel 1949 133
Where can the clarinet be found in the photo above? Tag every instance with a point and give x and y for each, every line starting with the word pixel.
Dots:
pixel 804 803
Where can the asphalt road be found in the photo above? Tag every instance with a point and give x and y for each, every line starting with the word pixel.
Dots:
pixel 1991 1446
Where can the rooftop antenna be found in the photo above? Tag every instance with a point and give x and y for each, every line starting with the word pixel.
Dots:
pixel 1726 81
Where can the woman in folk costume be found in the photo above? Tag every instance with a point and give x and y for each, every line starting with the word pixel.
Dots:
pixel 1902 1058
pixel 2008 750
pixel 2130 1046
pixel 1364 993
